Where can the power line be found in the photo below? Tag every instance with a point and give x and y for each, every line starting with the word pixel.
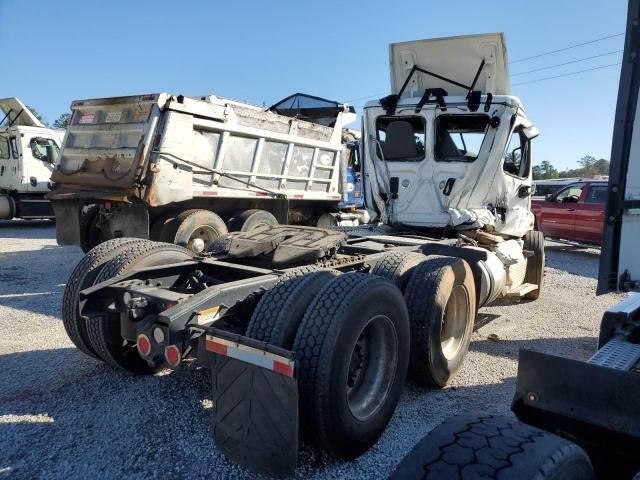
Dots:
pixel 373 95
pixel 566 63
pixel 567 74
pixel 567 48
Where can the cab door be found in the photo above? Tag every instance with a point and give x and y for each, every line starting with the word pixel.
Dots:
pixel 39 154
pixel 559 212
pixel 590 213
pixel 9 163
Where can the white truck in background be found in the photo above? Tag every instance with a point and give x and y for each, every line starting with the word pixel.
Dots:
pixel 186 170
pixel 28 153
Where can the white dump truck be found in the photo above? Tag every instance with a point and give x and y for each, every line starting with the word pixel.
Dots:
pixel 186 170
pixel 28 153
pixel 315 330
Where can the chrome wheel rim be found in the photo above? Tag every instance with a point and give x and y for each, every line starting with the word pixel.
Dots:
pixel 372 367
pixel 455 319
pixel 201 238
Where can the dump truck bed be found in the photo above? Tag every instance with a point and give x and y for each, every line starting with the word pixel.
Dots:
pixel 161 149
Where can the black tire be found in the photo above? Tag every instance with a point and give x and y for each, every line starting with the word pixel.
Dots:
pixel 247 220
pixel 104 330
pixel 88 237
pixel 486 446
pixel 83 276
pixel 345 406
pixel 280 310
pixel 439 289
pixel 192 225
pixel 534 242
pixel 155 232
pixel 397 267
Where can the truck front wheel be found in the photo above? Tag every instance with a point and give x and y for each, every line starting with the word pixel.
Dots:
pixel 441 299
pixel 352 346
pixel 196 230
pixel 534 242
pixel 247 220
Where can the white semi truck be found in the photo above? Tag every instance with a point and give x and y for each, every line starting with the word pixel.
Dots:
pixel 28 153
pixel 187 170
pixel 316 330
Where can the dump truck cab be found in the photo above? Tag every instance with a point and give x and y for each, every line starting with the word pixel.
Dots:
pixel 451 150
pixel 28 154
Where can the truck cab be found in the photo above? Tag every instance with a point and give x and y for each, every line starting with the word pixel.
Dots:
pixel 28 153
pixel 443 154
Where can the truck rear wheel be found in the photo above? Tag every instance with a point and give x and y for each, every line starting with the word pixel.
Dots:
pixel 83 276
pixel 280 310
pixel 104 330
pixel 534 242
pixel 484 446
pixel 196 230
pixel 248 220
pixel 441 299
pixel 397 267
pixel 352 349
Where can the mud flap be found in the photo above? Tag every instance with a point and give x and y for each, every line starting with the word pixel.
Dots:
pixel 255 402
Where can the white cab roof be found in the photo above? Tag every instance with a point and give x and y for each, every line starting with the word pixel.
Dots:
pixel 15 106
pixel 457 58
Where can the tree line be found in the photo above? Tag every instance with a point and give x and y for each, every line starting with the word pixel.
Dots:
pixel 588 167
pixel 61 122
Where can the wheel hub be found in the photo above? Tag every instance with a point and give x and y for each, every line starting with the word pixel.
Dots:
pixel 372 367
pixel 454 322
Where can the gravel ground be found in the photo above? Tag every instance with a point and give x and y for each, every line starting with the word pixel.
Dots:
pixel 64 415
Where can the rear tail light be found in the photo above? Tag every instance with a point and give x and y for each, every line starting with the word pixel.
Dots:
pixel 144 345
pixel 172 355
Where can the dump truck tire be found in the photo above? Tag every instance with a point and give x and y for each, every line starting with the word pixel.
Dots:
pixel 196 230
pixel 104 330
pixel 88 238
pixel 441 299
pixel 247 220
pixel 155 232
pixel 83 276
pixel 486 446
pixel 534 242
pixel 397 267
pixel 352 350
pixel 281 308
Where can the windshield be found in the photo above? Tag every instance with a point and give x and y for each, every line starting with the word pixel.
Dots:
pixel 459 137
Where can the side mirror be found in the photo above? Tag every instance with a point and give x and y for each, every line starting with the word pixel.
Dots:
pixel 51 155
pixel 549 197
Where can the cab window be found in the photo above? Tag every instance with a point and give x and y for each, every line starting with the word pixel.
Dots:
pixel 39 149
pixel 401 138
pixel 597 195
pixel 571 194
pixel 460 137
pixel 517 158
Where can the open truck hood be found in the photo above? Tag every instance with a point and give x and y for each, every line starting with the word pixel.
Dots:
pixel 12 107
pixel 619 259
pixel 456 58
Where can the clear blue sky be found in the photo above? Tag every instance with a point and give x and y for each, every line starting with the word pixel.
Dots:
pixel 261 51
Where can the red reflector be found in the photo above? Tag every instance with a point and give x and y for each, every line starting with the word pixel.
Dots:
pixel 144 345
pixel 216 348
pixel 172 355
pixel 107 205
pixel 283 369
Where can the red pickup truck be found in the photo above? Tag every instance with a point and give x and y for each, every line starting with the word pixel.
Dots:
pixel 575 212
